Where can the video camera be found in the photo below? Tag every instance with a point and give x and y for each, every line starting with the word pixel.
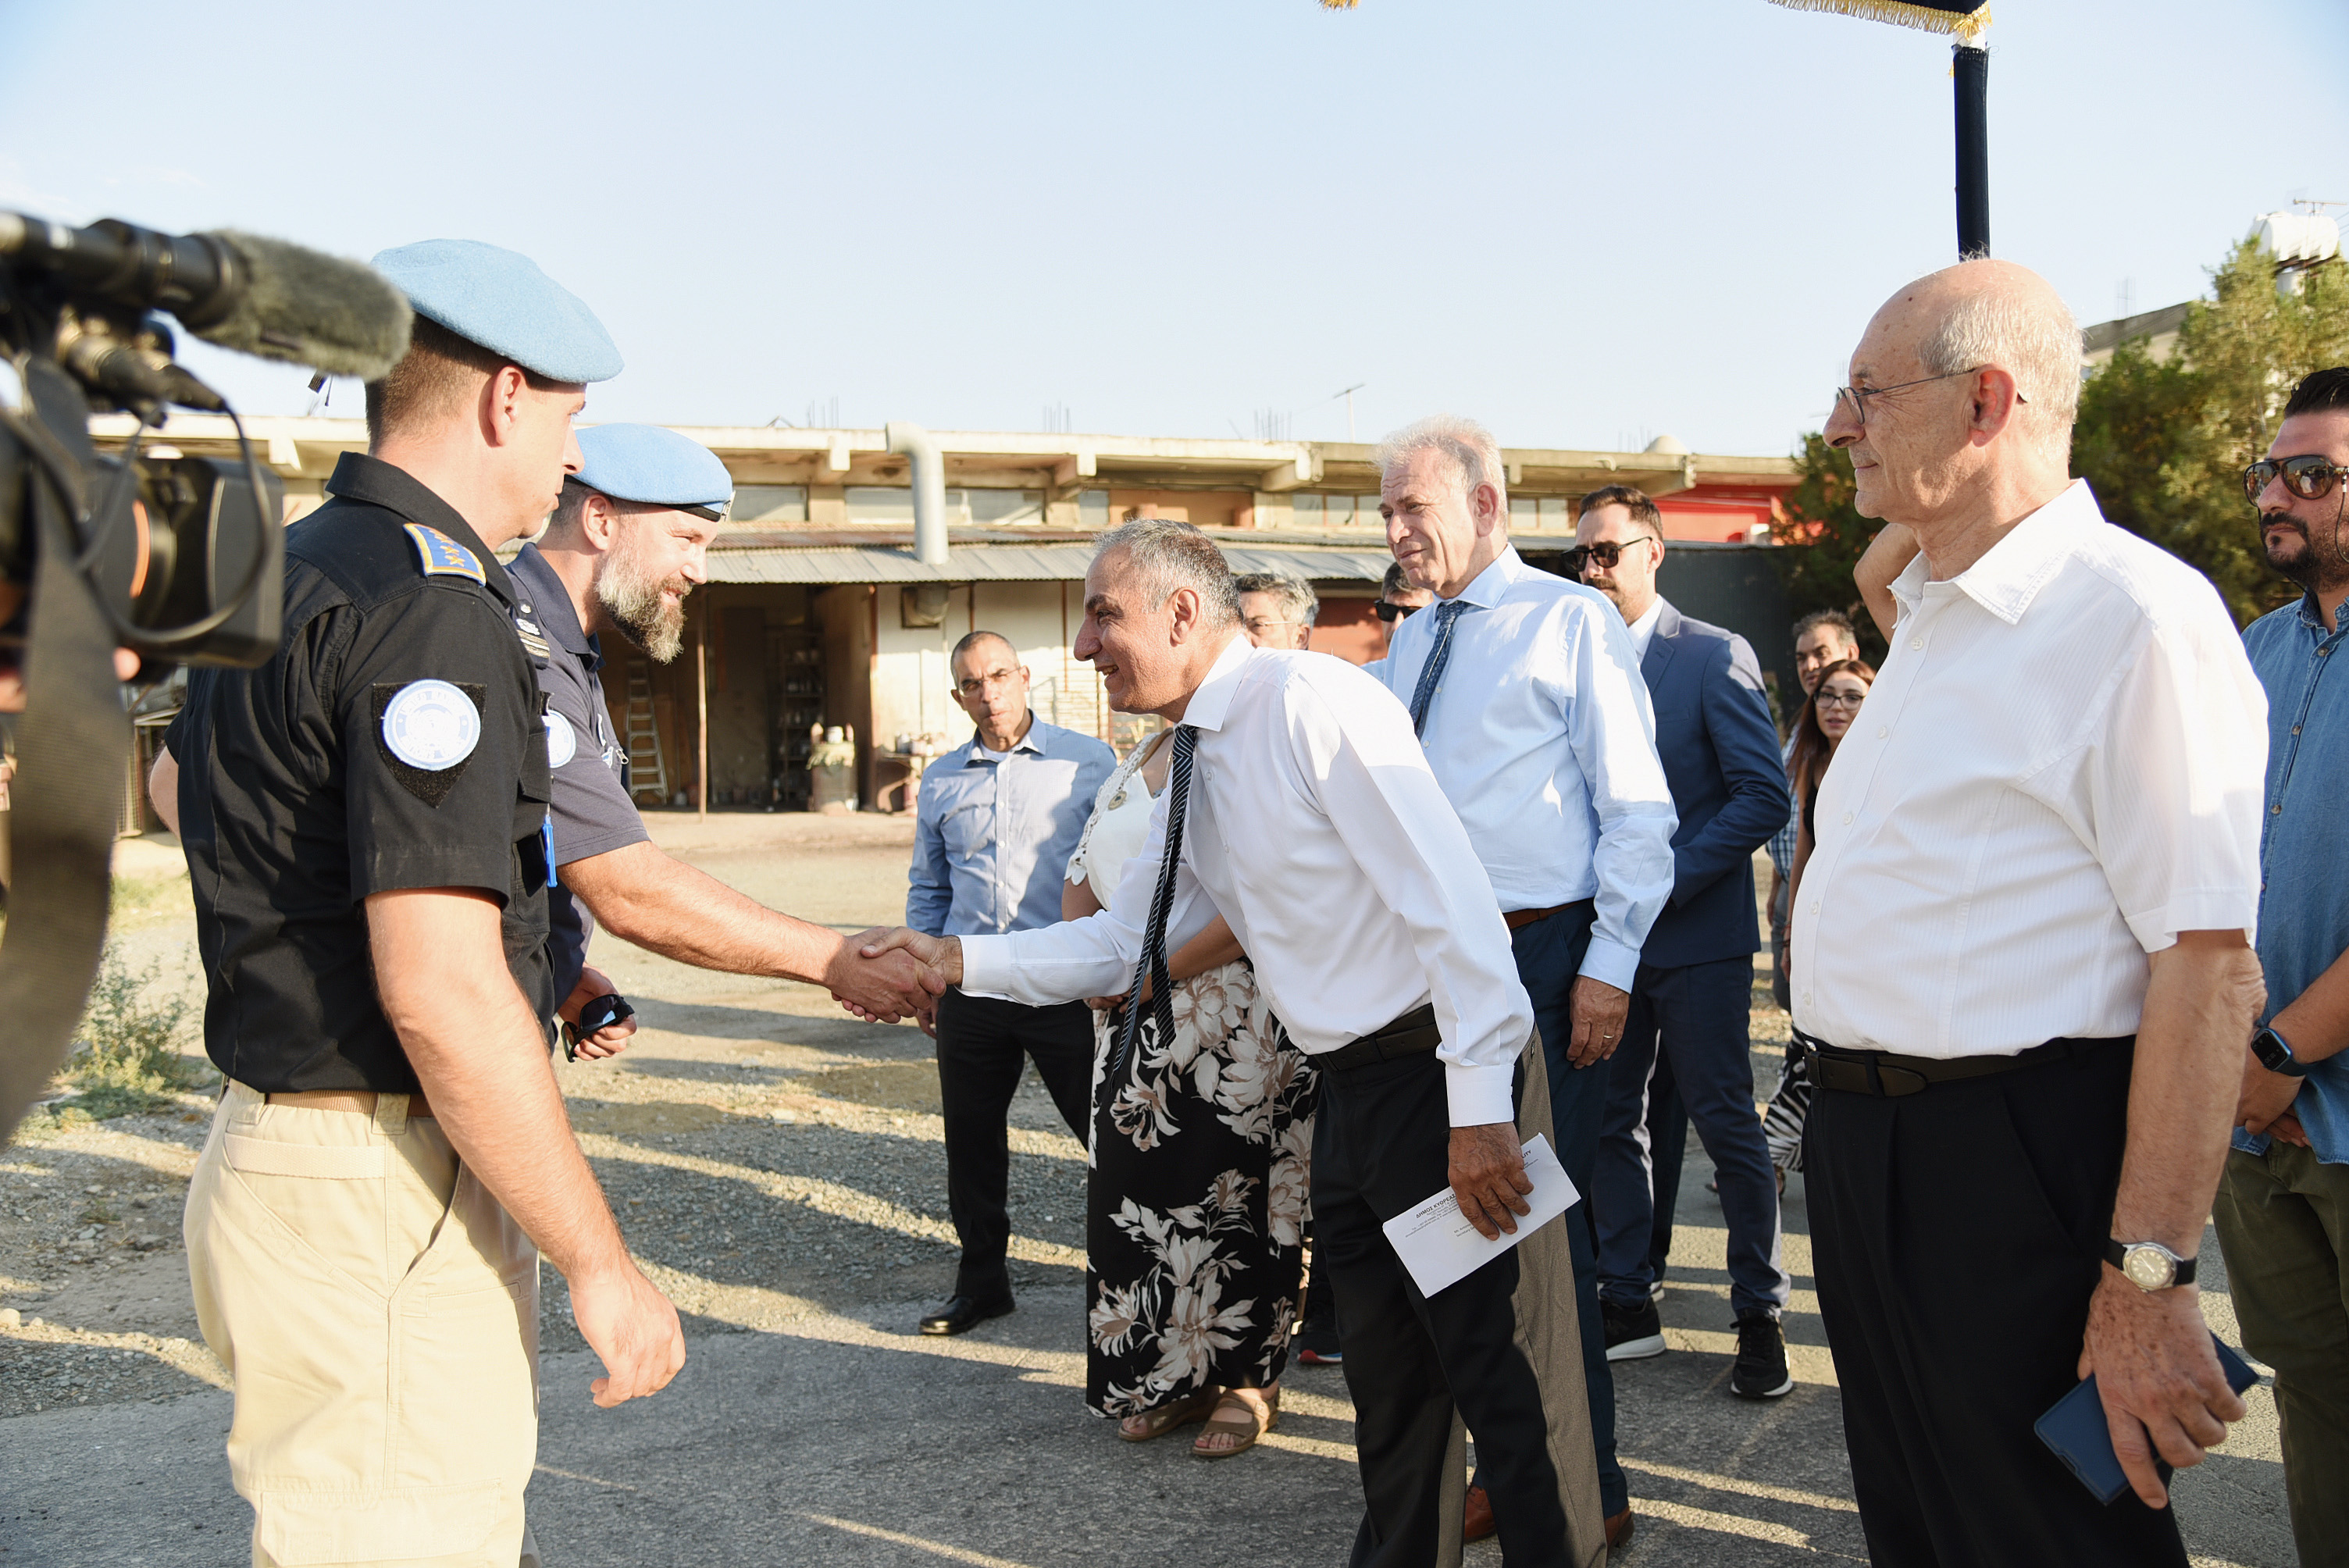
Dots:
pixel 184 554
pixel 178 558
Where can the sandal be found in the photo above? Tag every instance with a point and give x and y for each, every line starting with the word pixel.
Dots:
pixel 1258 1415
pixel 1157 1423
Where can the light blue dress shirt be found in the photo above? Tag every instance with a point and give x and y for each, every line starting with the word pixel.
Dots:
pixel 1542 736
pixel 2303 854
pixel 992 839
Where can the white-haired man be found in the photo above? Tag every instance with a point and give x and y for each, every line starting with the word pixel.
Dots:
pixel 1526 693
pixel 2020 956
pixel 1300 807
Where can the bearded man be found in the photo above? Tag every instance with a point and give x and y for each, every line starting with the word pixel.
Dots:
pixel 629 540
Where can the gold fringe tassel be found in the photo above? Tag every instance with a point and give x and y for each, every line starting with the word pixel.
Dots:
pixel 1967 28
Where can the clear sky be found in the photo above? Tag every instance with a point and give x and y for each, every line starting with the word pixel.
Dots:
pixel 1583 224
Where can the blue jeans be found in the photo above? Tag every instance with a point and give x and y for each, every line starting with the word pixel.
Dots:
pixel 1698 1016
pixel 1549 956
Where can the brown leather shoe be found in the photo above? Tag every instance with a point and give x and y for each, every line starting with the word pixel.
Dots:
pixel 1476 1519
pixel 1619 1530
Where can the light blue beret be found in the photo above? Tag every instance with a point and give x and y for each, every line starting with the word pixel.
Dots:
pixel 498 299
pixel 657 466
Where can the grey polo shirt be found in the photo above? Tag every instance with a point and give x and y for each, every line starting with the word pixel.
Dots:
pixel 592 812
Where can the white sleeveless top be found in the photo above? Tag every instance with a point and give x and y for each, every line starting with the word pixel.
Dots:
pixel 1118 830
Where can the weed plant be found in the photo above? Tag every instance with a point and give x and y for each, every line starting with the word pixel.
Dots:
pixel 127 1058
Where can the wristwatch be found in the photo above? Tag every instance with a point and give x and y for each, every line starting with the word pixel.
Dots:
pixel 2276 1054
pixel 2149 1265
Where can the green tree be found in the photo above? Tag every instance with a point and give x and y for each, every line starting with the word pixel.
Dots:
pixel 1822 538
pixel 2164 446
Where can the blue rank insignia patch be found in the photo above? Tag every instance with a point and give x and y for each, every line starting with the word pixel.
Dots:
pixel 443 556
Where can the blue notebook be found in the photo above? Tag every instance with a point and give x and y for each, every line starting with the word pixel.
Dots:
pixel 2075 1428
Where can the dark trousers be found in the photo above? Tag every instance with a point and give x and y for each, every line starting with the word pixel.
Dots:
pixel 2284 1226
pixel 981 1042
pixel 1549 956
pixel 1667 1153
pixel 2284 1223
pixel 1492 1350
pixel 1957 1235
pixel 1698 1015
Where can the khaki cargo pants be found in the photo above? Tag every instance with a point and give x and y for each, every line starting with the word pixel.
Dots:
pixel 378 1313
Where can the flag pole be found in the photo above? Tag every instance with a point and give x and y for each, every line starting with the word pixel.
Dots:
pixel 1969 73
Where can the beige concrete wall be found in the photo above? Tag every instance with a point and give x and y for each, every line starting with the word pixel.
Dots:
pixel 911 685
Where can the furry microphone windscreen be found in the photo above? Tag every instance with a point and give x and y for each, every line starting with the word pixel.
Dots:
pixel 341 317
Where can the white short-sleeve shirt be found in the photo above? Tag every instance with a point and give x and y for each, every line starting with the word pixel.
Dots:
pixel 2058 769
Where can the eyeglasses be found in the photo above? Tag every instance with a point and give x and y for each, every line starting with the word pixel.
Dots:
pixel 1840 698
pixel 1261 625
pixel 1858 397
pixel 2309 476
pixel 1390 612
pixel 1607 554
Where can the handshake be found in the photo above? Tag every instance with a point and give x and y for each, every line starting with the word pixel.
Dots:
pixel 887 974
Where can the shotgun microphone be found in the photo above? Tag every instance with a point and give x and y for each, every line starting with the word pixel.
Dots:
pixel 244 291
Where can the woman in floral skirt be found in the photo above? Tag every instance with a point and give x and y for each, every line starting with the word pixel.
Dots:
pixel 1199 1153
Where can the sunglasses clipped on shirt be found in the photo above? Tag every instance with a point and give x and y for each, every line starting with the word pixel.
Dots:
pixel 2309 476
pixel 1607 553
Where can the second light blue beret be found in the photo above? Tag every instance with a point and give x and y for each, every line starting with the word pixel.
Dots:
pixel 498 299
pixel 650 464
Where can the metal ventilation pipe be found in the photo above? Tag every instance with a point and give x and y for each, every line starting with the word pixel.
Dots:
pixel 929 491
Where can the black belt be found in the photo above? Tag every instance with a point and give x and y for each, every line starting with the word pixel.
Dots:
pixel 1414 1032
pixel 1889 1076
pixel 1516 919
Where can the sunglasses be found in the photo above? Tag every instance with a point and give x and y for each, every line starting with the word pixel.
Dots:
pixel 2309 476
pixel 1392 613
pixel 1607 554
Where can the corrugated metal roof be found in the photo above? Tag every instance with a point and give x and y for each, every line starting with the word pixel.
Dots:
pixel 1007 564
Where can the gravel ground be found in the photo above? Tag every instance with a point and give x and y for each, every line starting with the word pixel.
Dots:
pixel 769 1157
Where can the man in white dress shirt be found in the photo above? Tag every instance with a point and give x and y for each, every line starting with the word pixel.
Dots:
pixel 1299 806
pixel 1527 696
pixel 2019 957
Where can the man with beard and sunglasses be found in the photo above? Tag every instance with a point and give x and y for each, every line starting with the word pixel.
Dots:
pixel 627 541
pixel 2283 1208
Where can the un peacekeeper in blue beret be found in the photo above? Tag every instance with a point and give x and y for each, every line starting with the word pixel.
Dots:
pixel 365 820
pixel 629 540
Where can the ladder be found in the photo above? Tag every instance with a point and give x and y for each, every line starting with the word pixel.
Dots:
pixel 645 773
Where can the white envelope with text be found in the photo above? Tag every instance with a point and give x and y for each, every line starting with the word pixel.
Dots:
pixel 1440 1247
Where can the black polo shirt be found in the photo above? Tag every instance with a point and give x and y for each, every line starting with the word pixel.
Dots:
pixel 393 741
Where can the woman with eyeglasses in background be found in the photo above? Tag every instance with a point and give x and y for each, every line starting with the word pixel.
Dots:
pixel 1826 718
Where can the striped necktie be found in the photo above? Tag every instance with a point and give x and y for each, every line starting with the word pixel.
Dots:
pixel 1153 963
pixel 1447 616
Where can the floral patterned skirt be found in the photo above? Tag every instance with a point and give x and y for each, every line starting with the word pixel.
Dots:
pixel 1199 1156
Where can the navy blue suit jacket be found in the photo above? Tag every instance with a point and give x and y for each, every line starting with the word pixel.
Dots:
pixel 1719 751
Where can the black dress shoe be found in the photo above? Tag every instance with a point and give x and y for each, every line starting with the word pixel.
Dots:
pixel 965 1311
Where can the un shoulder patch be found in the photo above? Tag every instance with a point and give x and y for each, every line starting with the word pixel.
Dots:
pixel 425 732
pixel 443 556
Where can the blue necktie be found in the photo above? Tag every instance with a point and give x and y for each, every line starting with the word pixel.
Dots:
pixel 1152 963
pixel 1447 616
